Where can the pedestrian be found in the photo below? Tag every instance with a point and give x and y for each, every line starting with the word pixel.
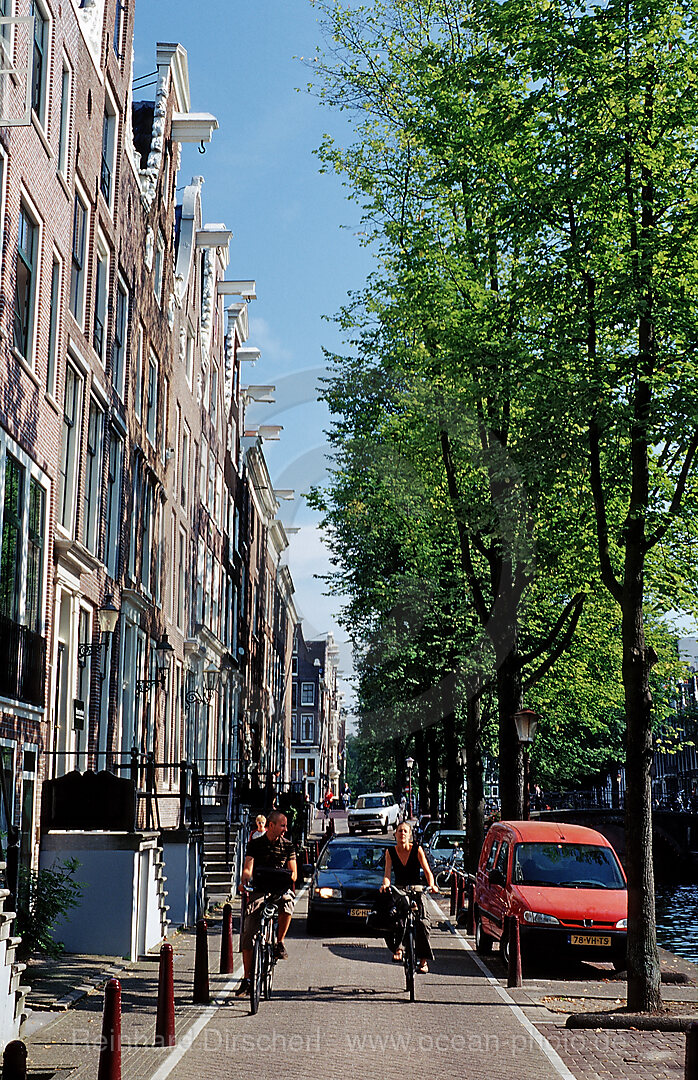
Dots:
pixel 403 808
pixel 274 853
pixel 261 823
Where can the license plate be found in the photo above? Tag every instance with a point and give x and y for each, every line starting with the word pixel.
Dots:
pixel 359 912
pixel 589 939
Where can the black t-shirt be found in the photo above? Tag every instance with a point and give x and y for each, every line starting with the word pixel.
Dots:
pixel 270 853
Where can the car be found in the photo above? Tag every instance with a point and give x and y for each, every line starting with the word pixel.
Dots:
pixel 345 883
pixel 442 845
pixel 376 810
pixel 565 885
pixel 427 828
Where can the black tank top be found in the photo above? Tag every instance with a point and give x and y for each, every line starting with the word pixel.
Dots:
pixel 409 873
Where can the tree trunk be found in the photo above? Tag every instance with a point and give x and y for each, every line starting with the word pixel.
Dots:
pixel 644 980
pixel 422 756
pixel 433 773
pixel 510 756
pixel 454 776
pixel 475 794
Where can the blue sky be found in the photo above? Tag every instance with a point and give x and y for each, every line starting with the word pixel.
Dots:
pixel 293 230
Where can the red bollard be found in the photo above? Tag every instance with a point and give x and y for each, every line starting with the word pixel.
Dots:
pixel 514 977
pixel 165 1021
pixel 201 991
pixel 110 1052
pixel 470 923
pixel 691 1067
pixel 227 962
pixel 14 1061
pixel 453 894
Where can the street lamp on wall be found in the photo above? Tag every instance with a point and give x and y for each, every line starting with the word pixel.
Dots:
pixel 526 721
pixel 163 656
pixel 409 762
pixel 107 618
pixel 213 678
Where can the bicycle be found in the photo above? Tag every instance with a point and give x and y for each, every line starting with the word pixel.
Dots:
pixel 264 952
pixel 447 870
pixel 408 944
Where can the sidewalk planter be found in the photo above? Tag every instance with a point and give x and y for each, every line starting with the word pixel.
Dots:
pixel 122 911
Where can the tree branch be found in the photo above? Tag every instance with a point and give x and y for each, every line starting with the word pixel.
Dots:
pixel 673 510
pixel 548 640
pixel 607 574
pixel 464 541
pixel 561 646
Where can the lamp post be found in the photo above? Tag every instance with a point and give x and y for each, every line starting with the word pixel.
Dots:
pixel 526 721
pixel 409 762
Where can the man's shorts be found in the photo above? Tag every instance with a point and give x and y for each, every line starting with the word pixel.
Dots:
pixel 253 915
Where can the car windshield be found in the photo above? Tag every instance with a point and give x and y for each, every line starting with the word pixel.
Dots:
pixel 370 802
pixel 352 857
pixel 449 840
pixel 568 866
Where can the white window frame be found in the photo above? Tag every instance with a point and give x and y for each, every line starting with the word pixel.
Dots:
pixel 92 497
pixel 113 509
pixel 33 216
pixel 67 488
pixel 159 266
pixel 304 687
pixel 101 296
pixel 185 467
pixel 42 111
pixel 108 147
pixel 78 277
pixel 55 323
pixel 65 119
pixel 119 356
pixel 151 425
pixel 306 719
pixel 31 472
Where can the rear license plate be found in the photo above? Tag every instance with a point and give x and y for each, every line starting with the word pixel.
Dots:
pixel 589 939
pixel 359 912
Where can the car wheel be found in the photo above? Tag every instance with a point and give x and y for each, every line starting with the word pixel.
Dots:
pixel 504 949
pixel 483 941
pixel 384 827
pixel 352 830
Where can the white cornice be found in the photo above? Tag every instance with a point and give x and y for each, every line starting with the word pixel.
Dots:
pixel 173 55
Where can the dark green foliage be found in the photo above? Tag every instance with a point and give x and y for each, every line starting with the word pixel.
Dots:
pixel 44 896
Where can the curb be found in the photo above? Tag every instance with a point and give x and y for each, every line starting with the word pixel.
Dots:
pixel 87 986
pixel 629 1021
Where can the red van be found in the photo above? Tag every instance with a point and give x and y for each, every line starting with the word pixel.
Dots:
pixel 565 885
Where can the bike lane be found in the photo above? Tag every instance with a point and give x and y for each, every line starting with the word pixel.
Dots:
pixel 340 1008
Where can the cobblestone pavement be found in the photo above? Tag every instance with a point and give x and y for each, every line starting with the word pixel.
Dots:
pixel 339 1009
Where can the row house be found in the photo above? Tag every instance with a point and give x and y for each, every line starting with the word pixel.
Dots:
pixel 317 724
pixel 145 617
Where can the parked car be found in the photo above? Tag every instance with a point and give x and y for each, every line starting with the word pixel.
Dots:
pixel 427 827
pixel 442 846
pixel 345 883
pixel 377 810
pixel 565 885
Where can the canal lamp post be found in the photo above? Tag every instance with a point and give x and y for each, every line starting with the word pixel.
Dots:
pixel 526 721
pixel 409 763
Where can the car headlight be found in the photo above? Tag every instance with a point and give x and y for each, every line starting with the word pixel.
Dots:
pixel 540 918
pixel 325 892
pixel 622 924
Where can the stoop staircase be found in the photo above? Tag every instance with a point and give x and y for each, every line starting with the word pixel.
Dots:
pixel 12 995
pixel 164 907
pixel 219 873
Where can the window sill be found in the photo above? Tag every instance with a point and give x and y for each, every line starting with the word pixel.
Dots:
pixel 37 125
pixel 54 404
pixel 24 363
pixel 62 180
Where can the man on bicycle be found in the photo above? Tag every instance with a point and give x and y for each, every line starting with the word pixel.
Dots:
pixel 270 852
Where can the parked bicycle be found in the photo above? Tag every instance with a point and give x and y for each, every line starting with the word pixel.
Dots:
pixel 411 895
pixel 446 870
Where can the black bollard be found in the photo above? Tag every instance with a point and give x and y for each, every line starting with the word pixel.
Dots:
pixel 14 1061
pixel 201 991
pixel 109 1067
pixel 227 962
pixel 165 1018
pixel 691 1067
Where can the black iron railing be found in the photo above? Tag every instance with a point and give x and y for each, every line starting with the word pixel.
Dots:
pixel 22 672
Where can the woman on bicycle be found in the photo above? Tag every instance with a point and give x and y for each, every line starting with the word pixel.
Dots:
pixel 406 860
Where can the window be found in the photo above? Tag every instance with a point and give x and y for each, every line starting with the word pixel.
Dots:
pixel 99 324
pixel 23 528
pixel 306 728
pixel 11 557
pixel 294 695
pixel 165 430
pixel 92 513
pixel 203 470
pixel 77 273
pixel 52 359
pixel 135 503
pixel 307 693
pixel 152 402
pixel 184 480
pixel 211 491
pixel 106 184
pixel 174 577
pixel 114 485
pixel 138 377
pixel 118 352
pixel 25 282
pixel 117 39
pixel 219 495
pixel 189 358
pixel 159 522
pixel 159 262
pixel 294 728
pixel 147 536
pixel 67 480
pixel 64 129
pixel 214 397
pixel 41 37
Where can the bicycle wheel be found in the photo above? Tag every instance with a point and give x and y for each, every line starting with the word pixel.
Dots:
pixel 256 973
pixel 269 961
pixel 443 879
pixel 409 961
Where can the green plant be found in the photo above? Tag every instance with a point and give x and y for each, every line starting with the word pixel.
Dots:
pixel 44 896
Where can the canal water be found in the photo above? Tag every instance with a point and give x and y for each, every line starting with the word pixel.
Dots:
pixel 677 919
